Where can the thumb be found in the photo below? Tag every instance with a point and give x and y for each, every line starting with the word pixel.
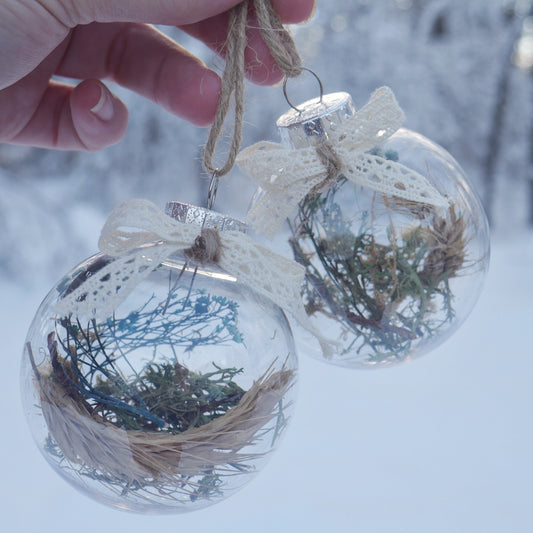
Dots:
pixel 99 118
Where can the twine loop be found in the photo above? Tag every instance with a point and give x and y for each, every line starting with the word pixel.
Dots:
pixel 278 39
pixel 285 54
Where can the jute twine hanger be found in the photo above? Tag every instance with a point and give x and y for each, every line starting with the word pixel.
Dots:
pixel 282 48
pixel 284 52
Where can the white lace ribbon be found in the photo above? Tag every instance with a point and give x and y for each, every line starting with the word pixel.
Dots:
pixel 139 236
pixel 287 175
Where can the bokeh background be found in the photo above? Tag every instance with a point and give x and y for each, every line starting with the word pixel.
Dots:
pixel 442 444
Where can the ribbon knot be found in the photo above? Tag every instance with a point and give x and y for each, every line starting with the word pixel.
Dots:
pixel 206 248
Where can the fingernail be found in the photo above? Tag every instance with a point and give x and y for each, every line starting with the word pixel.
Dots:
pixel 104 108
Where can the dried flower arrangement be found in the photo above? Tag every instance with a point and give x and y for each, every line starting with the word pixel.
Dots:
pixel 164 430
pixel 385 295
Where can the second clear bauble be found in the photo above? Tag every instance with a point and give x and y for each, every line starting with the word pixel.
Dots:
pixel 387 279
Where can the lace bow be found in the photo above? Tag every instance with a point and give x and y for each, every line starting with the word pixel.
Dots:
pixel 140 236
pixel 287 175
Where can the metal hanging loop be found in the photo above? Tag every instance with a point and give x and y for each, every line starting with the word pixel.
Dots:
pixel 213 189
pixel 319 84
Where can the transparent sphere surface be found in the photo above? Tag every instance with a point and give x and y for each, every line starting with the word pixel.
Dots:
pixel 171 404
pixel 388 279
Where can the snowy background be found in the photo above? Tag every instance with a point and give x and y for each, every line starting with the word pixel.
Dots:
pixel 442 444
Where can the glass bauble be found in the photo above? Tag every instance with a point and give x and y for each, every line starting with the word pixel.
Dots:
pixel 171 404
pixel 387 279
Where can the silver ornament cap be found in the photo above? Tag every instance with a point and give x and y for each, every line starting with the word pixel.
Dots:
pixel 191 214
pixel 315 120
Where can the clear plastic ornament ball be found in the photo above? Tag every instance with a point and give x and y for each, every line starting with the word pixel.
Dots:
pixel 174 401
pixel 395 243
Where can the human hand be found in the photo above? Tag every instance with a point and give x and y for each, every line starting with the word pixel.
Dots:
pixel 93 40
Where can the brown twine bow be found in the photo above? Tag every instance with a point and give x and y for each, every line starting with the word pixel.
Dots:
pixel 282 49
pixel 206 248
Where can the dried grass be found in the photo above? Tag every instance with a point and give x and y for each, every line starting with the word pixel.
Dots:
pixel 140 459
pixel 447 240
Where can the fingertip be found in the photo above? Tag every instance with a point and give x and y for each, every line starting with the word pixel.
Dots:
pixel 205 110
pixel 294 11
pixel 99 118
pixel 191 93
pixel 265 74
pixel 311 10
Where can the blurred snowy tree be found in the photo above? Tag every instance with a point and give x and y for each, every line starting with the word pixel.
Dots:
pixel 461 71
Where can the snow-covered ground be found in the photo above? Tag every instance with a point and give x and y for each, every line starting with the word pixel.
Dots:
pixel 442 444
